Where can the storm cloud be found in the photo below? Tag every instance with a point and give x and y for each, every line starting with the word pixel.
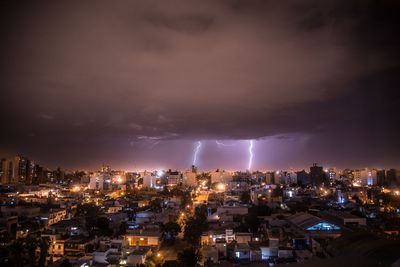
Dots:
pixel 122 82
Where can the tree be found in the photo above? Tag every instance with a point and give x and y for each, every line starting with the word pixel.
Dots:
pixel 252 222
pixel 88 209
pixel 193 232
pixel 170 230
pixel 90 223
pixel 103 224
pixel 186 199
pixel 31 245
pixel 189 257
pixel 155 204
pixel 154 260
pixel 122 228
pixel 201 213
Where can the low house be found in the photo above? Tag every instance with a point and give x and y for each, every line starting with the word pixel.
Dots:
pixel 210 254
pixel 138 256
pixel 243 237
pixel 313 226
pixel 140 237
pixel 242 252
pixel 76 246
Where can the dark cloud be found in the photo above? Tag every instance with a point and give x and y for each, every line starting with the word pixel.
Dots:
pixel 97 81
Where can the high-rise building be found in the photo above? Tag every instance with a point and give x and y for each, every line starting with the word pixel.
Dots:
pixel 317 175
pixel 5 171
pixel 106 169
pixel 30 171
pixel 220 177
pixel 393 176
pixel 39 176
pixel 303 178
pixel 173 178
pixel 20 166
pixel 381 177
pixel 291 178
pixel 189 178
pixel 365 177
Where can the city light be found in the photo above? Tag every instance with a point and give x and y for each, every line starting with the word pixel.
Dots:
pixel 221 187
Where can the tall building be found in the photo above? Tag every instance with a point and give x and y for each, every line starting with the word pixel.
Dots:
pixel 173 178
pixel 393 176
pixel 189 178
pixel 99 181
pixel 106 169
pixel 220 177
pixel 39 176
pixel 5 171
pixel 303 178
pixel 291 178
pixel 269 178
pixel 317 175
pixel 20 166
pixel 381 177
pixel 30 171
pixel 365 177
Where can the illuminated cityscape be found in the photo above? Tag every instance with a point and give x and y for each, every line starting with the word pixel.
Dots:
pixel 199 133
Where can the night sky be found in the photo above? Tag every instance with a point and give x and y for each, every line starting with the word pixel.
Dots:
pixel 136 84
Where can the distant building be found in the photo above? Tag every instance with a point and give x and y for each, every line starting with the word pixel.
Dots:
pixel 5 171
pixel 303 178
pixel 173 178
pixel 149 180
pixel 99 182
pixel 220 177
pixel 291 178
pixel 317 175
pixel 189 178
pixel 20 164
pixel 381 177
pixel 365 177
pixel 393 176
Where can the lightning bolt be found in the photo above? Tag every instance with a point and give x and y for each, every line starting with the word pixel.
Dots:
pixel 251 155
pixel 196 151
pixel 222 144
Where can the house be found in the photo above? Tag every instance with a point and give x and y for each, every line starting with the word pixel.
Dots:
pixel 138 256
pixel 243 237
pixel 210 254
pixel 311 225
pixel 344 218
pixel 242 253
pixel 141 237
pixel 76 246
